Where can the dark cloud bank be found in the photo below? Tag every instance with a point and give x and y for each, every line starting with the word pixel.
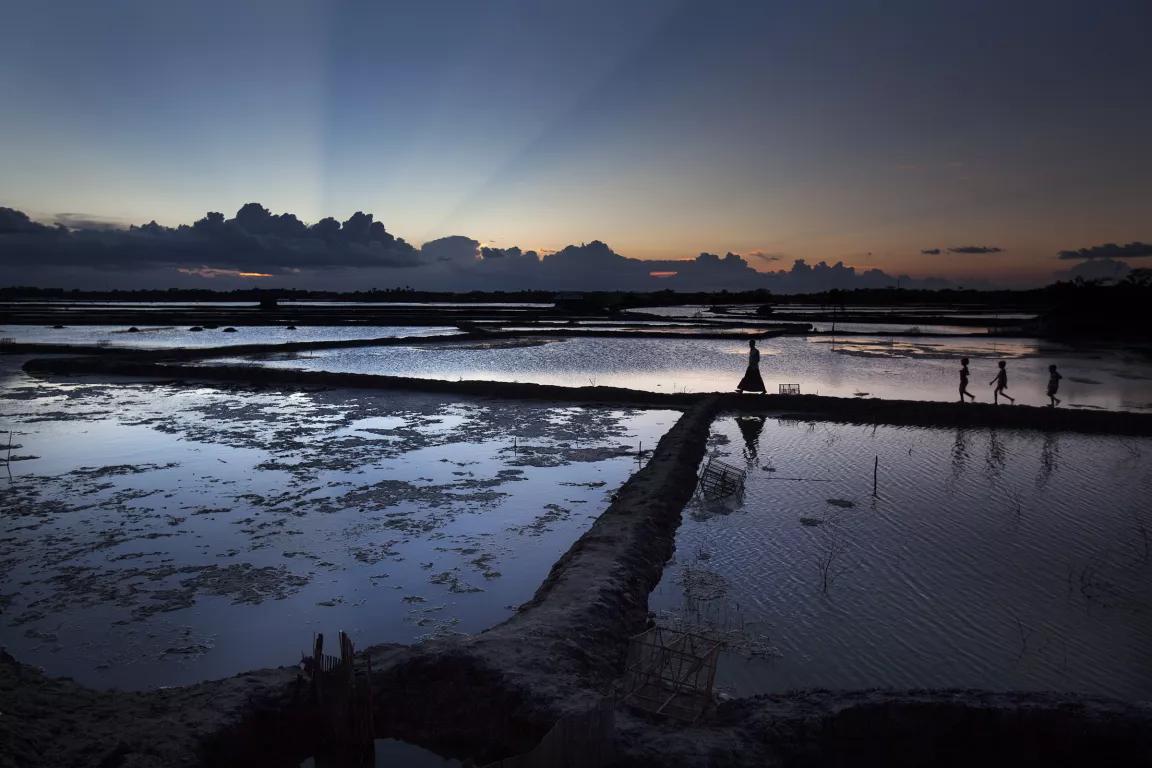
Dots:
pixel 360 253
pixel 1110 251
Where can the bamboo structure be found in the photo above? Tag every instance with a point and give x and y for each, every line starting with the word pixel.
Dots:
pixel 671 673
pixel 719 480
pixel 344 700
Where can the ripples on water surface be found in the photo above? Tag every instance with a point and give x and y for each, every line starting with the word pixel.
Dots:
pixel 990 558
pixel 926 369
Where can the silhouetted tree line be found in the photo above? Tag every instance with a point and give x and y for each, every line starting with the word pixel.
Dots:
pixel 1066 308
pixel 1093 308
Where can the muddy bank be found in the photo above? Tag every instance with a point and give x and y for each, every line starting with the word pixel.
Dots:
pixel 813 407
pixel 596 594
pixel 55 722
pixel 497 693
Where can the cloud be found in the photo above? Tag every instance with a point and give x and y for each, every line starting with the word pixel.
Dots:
pixel 13 222
pixel 282 251
pixel 976 249
pixel 1095 269
pixel 1110 251
pixel 86 221
pixel 766 258
pixel 931 251
pixel 453 249
pixel 255 241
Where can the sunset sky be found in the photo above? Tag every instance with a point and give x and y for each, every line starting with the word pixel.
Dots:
pixel 854 131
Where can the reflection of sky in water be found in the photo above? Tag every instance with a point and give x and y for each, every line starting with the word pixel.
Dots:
pixel 1100 376
pixel 992 559
pixel 785 310
pixel 319 511
pixel 159 337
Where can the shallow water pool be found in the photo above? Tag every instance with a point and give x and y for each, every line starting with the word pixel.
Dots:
pixel 1096 376
pixel 158 535
pixel 165 337
pixel 1006 560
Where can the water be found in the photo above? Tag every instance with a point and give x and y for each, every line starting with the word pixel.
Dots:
pixel 910 328
pixel 157 535
pixel 164 337
pixel 1095 376
pixel 798 311
pixel 160 305
pixel 995 559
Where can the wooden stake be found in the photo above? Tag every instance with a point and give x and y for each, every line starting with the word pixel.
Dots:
pixel 875 473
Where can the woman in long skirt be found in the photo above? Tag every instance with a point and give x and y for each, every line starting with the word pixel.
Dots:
pixel 752 382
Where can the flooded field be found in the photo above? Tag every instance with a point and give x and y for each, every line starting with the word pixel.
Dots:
pixel 159 535
pixel 1095 376
pixel 164 337
pixel 1005 560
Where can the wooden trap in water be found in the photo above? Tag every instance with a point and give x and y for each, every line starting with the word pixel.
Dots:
pixel 789 389
pixel 671 673
pixel 719 480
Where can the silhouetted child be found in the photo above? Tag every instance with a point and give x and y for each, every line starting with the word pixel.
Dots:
pixel 1053 385
pixel 1001 382
pixel 964 380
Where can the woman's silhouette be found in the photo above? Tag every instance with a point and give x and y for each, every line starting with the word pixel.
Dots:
pixel 752 382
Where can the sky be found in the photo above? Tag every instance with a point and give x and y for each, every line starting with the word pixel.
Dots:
pixel 970 142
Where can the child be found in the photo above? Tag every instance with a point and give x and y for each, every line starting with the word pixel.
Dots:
pixel 1053 385
pixel 964 380
pixel 1001 382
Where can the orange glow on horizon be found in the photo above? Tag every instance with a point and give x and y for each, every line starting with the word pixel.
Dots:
pixel 213 272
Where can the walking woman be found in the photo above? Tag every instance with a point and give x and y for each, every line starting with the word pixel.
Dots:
pixel 752 382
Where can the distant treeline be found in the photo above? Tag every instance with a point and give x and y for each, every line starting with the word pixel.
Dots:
pixel 882 296
pixel 1066 308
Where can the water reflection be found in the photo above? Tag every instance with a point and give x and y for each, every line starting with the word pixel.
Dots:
pixel 974 570
pixel 750 429
pixel 863 368
pixel 1049 458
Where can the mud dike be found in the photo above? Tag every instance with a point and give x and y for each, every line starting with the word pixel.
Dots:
pixel 497 694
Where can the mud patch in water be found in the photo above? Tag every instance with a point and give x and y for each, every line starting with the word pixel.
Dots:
pixel 168 534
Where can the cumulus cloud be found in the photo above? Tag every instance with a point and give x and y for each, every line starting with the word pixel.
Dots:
pixel 931 251
pixel 1110 251
pixel 13 222
pixel 254 241
pixel 283 251
pixel 454 249
pixel 975 249
pixel 1095 269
